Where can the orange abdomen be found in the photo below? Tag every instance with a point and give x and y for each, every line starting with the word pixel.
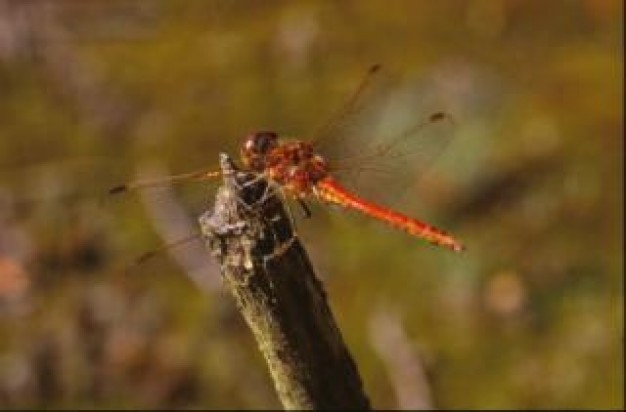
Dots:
pixel 331 191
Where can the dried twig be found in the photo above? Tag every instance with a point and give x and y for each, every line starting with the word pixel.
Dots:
pixel 269 274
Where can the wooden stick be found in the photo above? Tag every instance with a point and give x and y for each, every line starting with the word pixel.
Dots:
pixel 268 272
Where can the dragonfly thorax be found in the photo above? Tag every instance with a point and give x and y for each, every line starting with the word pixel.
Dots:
pixel 293 164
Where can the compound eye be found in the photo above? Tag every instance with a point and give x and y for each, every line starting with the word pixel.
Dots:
pixel 263 142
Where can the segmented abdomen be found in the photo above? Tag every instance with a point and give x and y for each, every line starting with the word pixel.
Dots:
pixel 331 191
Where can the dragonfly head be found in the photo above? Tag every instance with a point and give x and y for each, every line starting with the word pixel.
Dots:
pixel 256 146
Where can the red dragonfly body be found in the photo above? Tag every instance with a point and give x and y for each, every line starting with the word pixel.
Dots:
pixel 302 173
pixel 298 169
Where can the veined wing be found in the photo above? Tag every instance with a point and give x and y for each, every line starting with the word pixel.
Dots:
pixel 380 142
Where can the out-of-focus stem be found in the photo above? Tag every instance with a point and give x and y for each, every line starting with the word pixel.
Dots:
pixel 402 360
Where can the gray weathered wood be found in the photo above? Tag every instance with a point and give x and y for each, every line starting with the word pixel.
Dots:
pixel 268 272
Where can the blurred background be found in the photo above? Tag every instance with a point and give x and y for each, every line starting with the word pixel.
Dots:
pixel 96 93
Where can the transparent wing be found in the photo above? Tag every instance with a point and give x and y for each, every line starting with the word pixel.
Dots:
pixel 67 210
pixel 89 179
pixel 179 232
pixel 384 139
pixel 358 114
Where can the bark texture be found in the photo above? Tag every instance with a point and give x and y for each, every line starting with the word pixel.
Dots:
pixel 268 272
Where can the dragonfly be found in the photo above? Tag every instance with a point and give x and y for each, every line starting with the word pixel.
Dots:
pixel 310 169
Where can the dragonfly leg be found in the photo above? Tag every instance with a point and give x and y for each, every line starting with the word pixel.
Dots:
pixel 251 182
pixel 288 211
pixel 272 190
pixel 282 245
pixel 305 208
pixel 268 191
